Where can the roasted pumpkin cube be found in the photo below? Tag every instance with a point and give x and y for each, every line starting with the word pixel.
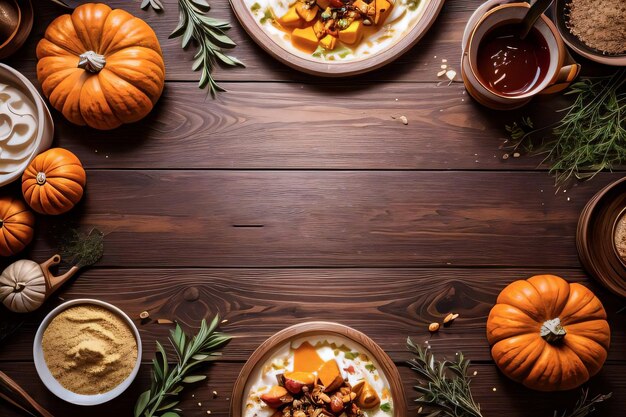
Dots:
pixel 383 8
pixel 306 13
pixel 330 376
pixel 305 39
pixel 352 34
pixel 319 28
pixel 328 42
pixel 291 18
pixel 306 358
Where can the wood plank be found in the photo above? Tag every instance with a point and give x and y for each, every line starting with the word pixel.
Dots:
pixel 328 218
pixel 386 304
pixel 509 399
pixel 420 64
pixel 278 125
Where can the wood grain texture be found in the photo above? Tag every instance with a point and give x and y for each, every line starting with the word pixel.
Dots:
pixel 509 399
pixel 328 218
pixel 386 304
pixel 419 64
pixel 305 126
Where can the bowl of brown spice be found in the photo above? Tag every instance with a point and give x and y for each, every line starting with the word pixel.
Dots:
pixel 594 28
pixel 87 352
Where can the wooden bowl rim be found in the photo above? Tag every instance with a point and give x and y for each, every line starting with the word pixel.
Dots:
pixel 262 353
pixel 17 27
pixel 583 234
pixel 336 69
pixel 22 31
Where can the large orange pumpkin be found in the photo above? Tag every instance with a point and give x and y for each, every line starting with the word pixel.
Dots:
pixel 548 334
pixel 100 67
pixel 16 226
pixel 54 181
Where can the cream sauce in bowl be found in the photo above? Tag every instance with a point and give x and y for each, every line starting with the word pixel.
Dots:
pixel 404 16
pixel 18 129
pixel 355 363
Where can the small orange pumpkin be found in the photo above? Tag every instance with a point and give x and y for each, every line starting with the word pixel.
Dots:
pixel 100 67
pixel 54 181
pixel 17 224
pixel 548 334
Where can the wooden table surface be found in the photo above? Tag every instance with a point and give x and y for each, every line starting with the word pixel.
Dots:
pixel 293 198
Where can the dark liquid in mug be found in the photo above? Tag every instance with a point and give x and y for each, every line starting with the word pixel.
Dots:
pixel 509 65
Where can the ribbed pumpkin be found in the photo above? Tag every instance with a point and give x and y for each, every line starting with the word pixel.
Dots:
pixel 548 334
pixel 100 67
pixel 16 226
pixel 53 182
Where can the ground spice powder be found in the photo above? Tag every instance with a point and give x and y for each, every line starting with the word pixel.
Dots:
pixel 600 24
pixel 620 237
pixel 89 349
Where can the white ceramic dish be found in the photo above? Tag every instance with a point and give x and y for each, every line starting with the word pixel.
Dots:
pixel 53 385
pixel 38 142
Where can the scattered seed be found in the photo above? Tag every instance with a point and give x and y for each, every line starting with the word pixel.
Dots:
pixel 144 315
pixel 441 73
pixel 516 155
pixel 433 327
pixel 214 394
pixel 449 318
pixel 444 66
pixel 494 389
pixel 444 60
pixel 224 321
pixel 199 404
pixel 505 156
pixel 208 411
pixel 475 373
pixel 165 321
pixel 404 120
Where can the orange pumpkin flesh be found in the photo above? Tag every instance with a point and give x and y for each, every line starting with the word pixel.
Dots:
pixel 100 67
pixel 53 182
pixel 16 226
pixel 548 334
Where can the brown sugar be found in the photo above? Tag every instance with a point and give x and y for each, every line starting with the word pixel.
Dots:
pixel 620 237
pixel 89 349
pixel 600 24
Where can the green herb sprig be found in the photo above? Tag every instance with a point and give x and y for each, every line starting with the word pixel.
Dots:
pixel 591 135
pixel 167 382
pixel 444 387
pixel 445 391
pixel 210 36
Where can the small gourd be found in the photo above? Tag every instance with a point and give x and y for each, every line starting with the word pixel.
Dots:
pixel 25 285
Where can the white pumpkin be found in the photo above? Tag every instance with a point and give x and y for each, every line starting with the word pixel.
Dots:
pixel 23 286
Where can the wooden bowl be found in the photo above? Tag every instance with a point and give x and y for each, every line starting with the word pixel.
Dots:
pixel 22 30
pixel 342 68
pixel 595 237
pixel 319 328
pixel 561 19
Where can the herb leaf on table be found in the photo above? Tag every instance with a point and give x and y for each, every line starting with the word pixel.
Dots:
pixel 168 381
pixel 591 135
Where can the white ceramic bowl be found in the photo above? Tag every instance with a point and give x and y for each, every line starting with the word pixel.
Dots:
pixel 45 129
pixel 53 385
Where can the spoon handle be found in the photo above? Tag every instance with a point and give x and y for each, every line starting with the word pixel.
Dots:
pixel 20 395
pixel 535 11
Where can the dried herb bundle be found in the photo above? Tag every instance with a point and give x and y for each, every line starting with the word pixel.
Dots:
pixel 167 382
pixel 444 388
pixel 208 33
pixel 590 137
pixel 82 249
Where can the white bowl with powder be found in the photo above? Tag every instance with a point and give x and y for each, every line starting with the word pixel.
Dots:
pixel 41 355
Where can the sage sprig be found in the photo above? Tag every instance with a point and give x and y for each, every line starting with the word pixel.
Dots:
pixel 168 381
pixel 155 4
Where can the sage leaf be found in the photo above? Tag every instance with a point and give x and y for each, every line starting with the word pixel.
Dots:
pixel 193 378
pixel 142 402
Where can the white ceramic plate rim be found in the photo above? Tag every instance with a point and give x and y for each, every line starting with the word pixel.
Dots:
pixel 53 385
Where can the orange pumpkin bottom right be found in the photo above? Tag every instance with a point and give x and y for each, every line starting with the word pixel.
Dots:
pixel 548 334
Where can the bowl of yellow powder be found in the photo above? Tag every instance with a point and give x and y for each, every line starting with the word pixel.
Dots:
pixel 87 352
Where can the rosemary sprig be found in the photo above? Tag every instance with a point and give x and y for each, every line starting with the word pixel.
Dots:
pixel 444 387
pixel 210 36
pixel 591 135
pixel 167 382
pixel 584 406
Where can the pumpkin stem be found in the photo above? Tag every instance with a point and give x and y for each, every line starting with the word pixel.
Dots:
pixel 91 61
pixel 552 331
pixel 19 287
pixel 41 178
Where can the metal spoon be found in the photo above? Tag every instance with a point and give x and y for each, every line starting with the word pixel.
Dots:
pixel 532 15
